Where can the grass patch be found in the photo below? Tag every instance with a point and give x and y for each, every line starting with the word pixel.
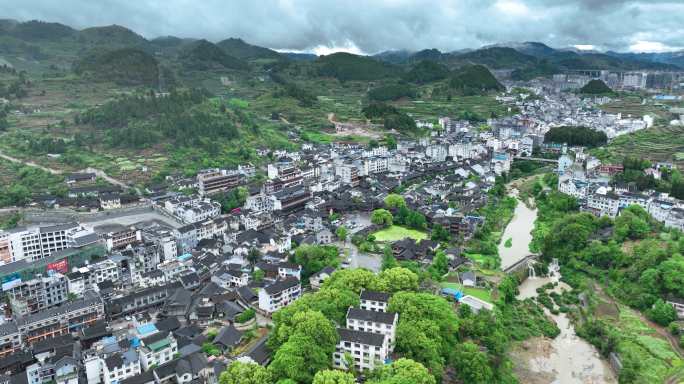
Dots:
pixel 482 294
pixel 395 233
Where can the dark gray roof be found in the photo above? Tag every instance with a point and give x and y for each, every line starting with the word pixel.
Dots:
pixel 247 294
pixel 375 296
pixel 89 298
pixel 361 337
pixel 58 227
pixel 114 361
pixel 146 377
pixel 168 324
pixel 374 316
pixel 8 328
pixel 260 352
pixel 281 285
pixel 228 336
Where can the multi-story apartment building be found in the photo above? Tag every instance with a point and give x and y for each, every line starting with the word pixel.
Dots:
pixel 229 278
pixel 10 339
pixel 122 237
pixel 374 301
pixel 366 350
pixel 192 209
pixel 37 243
pixel 604 203
pixel 377 164
pixel 349 174
pixel 57 321
pixel 279 294
pixel 157 349
pixel 292 198
pixel 218 180
pixel 38 294
pixel 384 323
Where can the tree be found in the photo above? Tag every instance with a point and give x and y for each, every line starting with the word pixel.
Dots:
pixel 427 330
pixel 245 373
pixel 416 220
pixel 253 256
pixel 314 258
pixel 300 358
pixel 471 364
pixel 404 371
pixel 352 279
pixel 508 288
pixel 390 142
pixel 388 260
pixel 398 279
pixel 381 217
pixel 662 313
pixel 333 377
pixel 440 234
pixel 394 201
pixel 258 275
pixel 440 265
pixel 341 232
pixel 210 349
pixel 672 272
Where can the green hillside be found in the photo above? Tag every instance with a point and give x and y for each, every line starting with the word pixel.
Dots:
pixel 543 68
pixel 35 30
pixel 498 58
pixel 111 36
pixel 345 66
pixel 203 55
pixel 241 50
pixel 474 80
pixel 126 66
pixel 596 87
pixel 426 72
pixel 392 92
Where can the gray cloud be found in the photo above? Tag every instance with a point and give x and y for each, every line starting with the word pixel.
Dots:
pixel 378 25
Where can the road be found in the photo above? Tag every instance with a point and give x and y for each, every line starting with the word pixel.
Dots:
pixel 98 172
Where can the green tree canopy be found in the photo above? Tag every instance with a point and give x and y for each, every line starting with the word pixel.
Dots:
pixel 245 373
pixel 381 217
pixel 329 376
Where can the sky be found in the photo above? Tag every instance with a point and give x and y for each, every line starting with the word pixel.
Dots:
pixel 371 26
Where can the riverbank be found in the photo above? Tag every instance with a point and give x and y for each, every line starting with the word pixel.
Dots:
pixel 518 234
pixel 564 359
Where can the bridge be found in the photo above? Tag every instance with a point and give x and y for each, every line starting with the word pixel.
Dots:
pixel 521 267
pixel 555 161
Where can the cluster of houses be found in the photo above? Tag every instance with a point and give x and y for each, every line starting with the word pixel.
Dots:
pixel 134 304
pixel 585 178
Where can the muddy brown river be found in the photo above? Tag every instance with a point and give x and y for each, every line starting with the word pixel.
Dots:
pixel 567 359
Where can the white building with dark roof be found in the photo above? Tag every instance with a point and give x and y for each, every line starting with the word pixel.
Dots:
pixel 367 350
pixel 279 294
pixel 374 301
pixel 384 323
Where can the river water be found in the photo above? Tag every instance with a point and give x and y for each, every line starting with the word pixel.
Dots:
pixel 520 231
pixel 567 359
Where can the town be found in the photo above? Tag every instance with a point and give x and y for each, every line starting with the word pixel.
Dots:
pixel 169 286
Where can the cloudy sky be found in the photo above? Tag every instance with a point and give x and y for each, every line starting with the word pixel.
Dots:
pixel 370 26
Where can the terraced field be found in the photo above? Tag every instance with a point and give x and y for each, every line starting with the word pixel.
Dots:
pixel 658 143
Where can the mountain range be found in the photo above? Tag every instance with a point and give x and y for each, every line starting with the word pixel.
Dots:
pixel 39 45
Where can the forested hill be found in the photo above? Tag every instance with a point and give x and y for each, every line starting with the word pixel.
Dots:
pixel 186 118
pixel 474 79
pixel 203 55
pixel 125 66
pixel 241 50
pixel 346 66
pixel 596 87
